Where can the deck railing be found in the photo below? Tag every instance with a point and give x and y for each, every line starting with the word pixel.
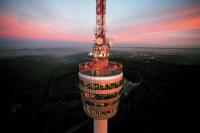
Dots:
pixel 89 69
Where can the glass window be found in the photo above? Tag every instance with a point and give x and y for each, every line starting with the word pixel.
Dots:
pixel 95 86
pixel 101 104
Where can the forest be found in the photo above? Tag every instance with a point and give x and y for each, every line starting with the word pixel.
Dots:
pixel 42 93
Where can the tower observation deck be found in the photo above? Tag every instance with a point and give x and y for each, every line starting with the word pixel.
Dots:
pixel 100 80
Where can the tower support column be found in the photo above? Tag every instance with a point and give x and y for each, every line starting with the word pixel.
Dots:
pixel 100 126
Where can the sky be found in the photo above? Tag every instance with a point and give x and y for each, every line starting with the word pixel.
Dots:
pixel 161 23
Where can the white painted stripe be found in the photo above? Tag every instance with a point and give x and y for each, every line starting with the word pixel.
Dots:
pixel 93 78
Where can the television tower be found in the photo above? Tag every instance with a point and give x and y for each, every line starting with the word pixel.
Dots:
pixel 101 80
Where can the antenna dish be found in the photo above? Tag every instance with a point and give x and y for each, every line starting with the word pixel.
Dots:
pixel 99 41
pixel 110 41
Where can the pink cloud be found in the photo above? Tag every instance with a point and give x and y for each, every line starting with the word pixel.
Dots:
pixel 14 27
pixel 177 29
pixel 190 10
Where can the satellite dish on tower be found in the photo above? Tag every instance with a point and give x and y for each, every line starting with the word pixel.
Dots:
pixel 99 41
pixel 110 41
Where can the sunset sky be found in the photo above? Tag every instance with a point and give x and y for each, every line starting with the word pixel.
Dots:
pixel 171 23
